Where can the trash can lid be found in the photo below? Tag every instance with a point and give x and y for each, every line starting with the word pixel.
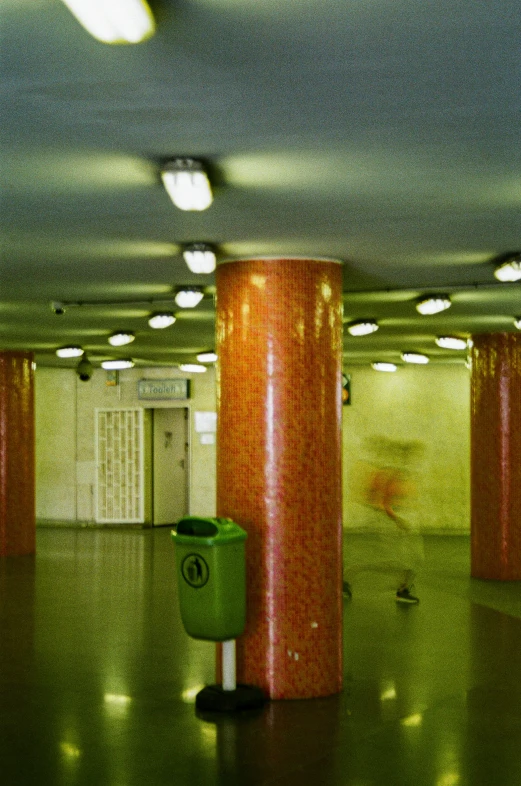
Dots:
pixel 209 531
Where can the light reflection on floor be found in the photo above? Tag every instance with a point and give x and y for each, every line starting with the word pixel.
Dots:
pixel 98 678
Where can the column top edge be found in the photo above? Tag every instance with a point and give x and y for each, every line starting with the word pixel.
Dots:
pixel 282 258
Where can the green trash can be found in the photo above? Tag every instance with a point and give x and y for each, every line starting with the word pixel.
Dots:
pixel 211 573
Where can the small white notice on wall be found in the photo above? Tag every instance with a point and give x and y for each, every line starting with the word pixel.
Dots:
pixel 205 422
pixel 207 439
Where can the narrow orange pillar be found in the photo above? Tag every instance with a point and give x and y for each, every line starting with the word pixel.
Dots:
pixel 17 478
pixel 496 457
pixel 279 342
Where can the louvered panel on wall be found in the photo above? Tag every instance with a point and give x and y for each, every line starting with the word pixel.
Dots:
pixel 120 466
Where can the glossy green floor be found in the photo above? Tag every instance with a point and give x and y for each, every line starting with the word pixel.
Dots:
pixel 97 679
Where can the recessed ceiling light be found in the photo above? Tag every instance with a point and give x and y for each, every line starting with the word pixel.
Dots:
pixel 189 297
pixel 187 184
pixel 451 342
pixel 160 320
pixel 115 365
pixel 111 22
pixel 384 366
pixel 509 270
pixel 517 322
pixel 362 327
pixel 192 368
pixel 200 258
pixel 69 352
pixel 207 357
pixel 433 304
pixel 120 338
pixel 415 357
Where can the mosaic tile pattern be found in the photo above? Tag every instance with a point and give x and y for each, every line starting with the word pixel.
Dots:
pixel 17 462
pixel 496 457
pixel 279 341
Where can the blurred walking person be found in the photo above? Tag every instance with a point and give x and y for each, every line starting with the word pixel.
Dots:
pixel 385 490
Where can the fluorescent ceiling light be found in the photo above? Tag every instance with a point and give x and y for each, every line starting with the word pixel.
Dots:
pixel 412 720
pixel 207 357
pixel 187 184
pixel 121 338
pixel 69 750
pixel 69 352
pixel 114 21
pixel 118 699
pixel 510 270
pixel 384 366
pixel 362 327
pixel 517 322
pixel 115 365
pixel 192 368
pixel 189 297
pixel 433 305
pixel 161 320
pixel 415 357
pixel 451 342
pixel 200 258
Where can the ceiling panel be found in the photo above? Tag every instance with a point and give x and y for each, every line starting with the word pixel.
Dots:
pixel 384 135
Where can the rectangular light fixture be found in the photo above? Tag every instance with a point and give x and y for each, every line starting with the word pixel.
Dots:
pixel 187 184
pixel 71 351
pixel 207 357
pixel 363 327
pixel 188 297
pixel 120 338
pixel 200 258
pixel 379 366
pixel 433 305
pixel 161 320
pixel 415 357
pixel 509 271
pixel 116 365
pixel 114 21
pixel 192 368
pixel 451 342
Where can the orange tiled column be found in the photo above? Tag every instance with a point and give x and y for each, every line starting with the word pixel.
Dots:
pixel 17 482
pixel 496 457
pixel 279 341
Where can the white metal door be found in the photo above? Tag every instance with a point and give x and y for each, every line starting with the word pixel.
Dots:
pixel 170 471
pixel 120 466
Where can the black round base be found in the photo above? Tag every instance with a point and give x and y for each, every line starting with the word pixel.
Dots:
pixel 214 699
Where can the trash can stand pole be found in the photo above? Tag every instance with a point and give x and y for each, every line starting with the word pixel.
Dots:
pixel 229 665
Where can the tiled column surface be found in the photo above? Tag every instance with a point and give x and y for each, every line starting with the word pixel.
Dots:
pixel 496 457
pixel 279 341
pixel 17 478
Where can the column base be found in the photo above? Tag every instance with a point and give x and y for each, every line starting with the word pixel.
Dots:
pixel 214 698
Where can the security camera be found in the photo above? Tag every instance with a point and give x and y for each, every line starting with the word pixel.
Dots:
pixel 57 307
pixel 84 369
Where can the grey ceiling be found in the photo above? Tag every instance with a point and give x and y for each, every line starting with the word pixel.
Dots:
pixel 381 133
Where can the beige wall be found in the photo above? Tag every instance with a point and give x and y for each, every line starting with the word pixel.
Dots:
pixel 430 404
pixel 65 410
pixel 55 417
